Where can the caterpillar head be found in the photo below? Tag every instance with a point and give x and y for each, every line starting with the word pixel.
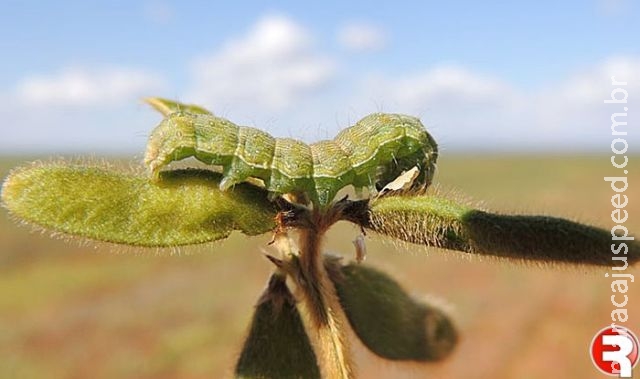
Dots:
pixel 173 139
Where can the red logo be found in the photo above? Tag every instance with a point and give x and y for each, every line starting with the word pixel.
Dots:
pixel 614 351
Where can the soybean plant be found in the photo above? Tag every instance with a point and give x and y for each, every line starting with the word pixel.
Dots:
pixel 258 184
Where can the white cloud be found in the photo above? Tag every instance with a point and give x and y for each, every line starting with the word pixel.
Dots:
pixel 590 85
pixel 470 109
pixel 360 36
pixel 270 68
pixel 574 110
pixel 437 84
pixel 79 86
pixel 79 109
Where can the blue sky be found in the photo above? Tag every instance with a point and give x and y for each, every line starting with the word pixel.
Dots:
pixel 508 76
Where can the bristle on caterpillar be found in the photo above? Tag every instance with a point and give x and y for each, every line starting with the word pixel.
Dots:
pixel 371 153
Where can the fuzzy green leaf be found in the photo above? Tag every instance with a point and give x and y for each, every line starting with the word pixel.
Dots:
pixel 166 106
pixel 277 346
pixel 387 320
pixel 434 221
pixel 183 207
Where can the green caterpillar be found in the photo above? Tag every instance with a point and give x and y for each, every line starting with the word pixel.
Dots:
pixel 371 153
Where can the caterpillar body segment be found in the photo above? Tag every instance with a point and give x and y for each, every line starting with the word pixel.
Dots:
pixel 252 157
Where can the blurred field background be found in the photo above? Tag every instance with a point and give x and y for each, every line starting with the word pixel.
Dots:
pixel 79 311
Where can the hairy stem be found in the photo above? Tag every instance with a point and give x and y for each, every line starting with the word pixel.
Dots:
pixel 431 220
pixel 318 297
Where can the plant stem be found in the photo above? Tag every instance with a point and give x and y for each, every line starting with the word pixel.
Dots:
pixel 318 297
